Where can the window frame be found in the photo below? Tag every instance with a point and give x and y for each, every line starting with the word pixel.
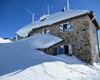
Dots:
pixel 64 27
pixel 45 31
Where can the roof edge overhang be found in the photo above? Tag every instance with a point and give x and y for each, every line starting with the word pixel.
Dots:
pixel 91 15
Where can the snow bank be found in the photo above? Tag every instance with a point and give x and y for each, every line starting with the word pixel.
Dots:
pixel 21 61
pixel 4 41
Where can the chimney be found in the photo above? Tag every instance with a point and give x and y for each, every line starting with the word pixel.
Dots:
pixel 63 9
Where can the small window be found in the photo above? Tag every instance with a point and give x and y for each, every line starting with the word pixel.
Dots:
pixel 46 31
pixel 30 34
pixel 43 19
pixel 65 27
pixel 83 31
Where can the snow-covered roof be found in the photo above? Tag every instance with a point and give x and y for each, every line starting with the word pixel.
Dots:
pixel 51 19
pixel 43 40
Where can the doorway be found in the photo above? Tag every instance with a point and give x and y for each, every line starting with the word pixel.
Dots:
pixel 66 49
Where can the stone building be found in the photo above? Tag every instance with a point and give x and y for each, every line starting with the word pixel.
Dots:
pixel 77 28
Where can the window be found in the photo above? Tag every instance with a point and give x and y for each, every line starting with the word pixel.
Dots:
pixel 30 34
pixel 65 27
pixel 83 31
pixel 58 51
pixel 46 31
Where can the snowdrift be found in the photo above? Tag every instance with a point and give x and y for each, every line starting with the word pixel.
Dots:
pixel 4 41
pixel 21 61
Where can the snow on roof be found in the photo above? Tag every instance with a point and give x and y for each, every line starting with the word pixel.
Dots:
pixel 43 40
pixel 43 17
pixel 51 19
pixel 4 41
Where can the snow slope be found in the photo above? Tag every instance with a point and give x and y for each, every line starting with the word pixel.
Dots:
pixel 21 61
pixel 4 41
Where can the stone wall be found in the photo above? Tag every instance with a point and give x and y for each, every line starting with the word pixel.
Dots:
pixel 94 42
pixel 19 37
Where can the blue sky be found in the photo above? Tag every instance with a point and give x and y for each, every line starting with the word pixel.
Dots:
pixel 13 15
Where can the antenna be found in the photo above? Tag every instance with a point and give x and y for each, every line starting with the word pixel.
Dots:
pixel 68 4
pixel 33 17
pixel 31 14
pixel 48 9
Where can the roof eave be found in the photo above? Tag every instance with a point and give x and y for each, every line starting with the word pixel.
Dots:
pixel 91 15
